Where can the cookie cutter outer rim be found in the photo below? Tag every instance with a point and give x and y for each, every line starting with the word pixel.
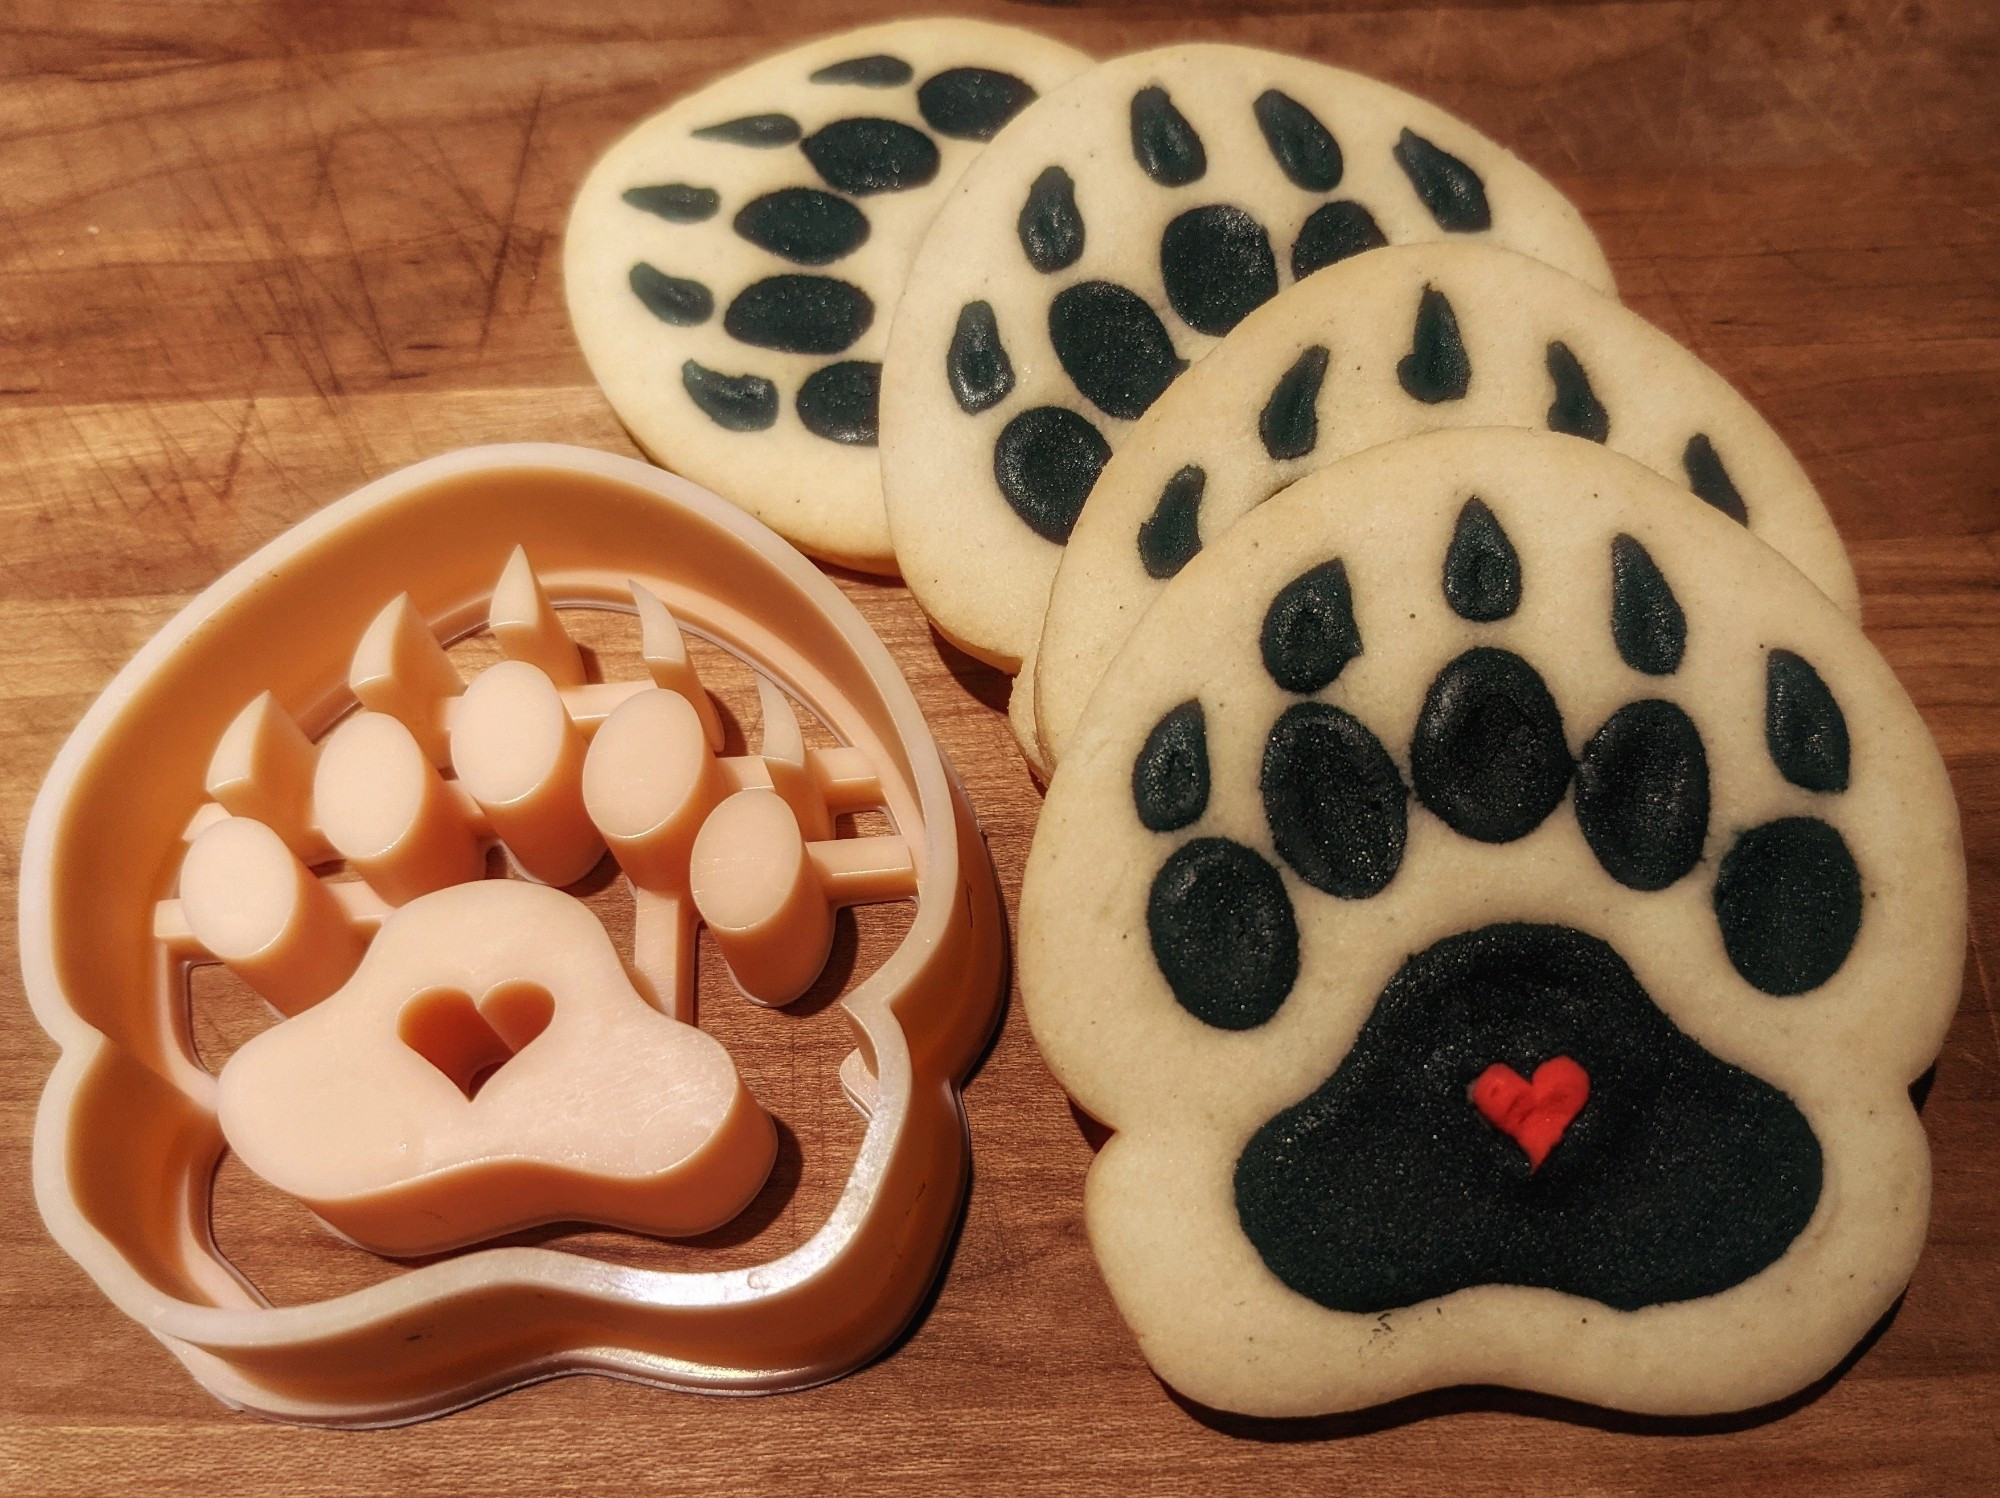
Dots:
pixel 293 1363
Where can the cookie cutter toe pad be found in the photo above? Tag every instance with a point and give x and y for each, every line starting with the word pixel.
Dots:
pixel 126 1139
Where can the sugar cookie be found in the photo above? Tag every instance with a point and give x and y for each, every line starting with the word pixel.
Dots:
pixel 732 264
pixel 1499 904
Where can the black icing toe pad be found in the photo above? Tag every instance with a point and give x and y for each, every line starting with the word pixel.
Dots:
pixel 1223 933
pixel 1488 756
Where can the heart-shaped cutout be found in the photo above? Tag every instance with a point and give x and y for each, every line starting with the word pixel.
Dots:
pixel 1534 1114
pixel 470 1042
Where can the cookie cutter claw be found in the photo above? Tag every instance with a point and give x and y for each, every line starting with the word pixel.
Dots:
pixel 193 815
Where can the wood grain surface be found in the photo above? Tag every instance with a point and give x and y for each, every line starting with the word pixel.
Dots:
pixel 252 256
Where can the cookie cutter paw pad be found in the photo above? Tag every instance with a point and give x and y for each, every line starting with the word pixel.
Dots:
pixel 297 779
pixel 1334 978
pixel 490 1067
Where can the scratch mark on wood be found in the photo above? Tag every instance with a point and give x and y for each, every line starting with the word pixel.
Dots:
pixel 513 209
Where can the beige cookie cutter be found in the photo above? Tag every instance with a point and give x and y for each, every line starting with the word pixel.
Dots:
pixel 181 821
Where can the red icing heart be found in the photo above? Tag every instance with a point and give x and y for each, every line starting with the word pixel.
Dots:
pixel 1532 1114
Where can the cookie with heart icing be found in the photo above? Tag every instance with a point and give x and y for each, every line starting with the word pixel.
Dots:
pixel 732 264
pixel 1387 345
pixel 1499 905
pixel 1123 225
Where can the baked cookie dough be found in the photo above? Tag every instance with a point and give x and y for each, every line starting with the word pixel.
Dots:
pixel 1499 904
pixel 1384 346
pixel 1122 225
pixel 732 264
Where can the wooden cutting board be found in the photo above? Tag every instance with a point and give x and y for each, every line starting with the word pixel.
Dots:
pixel 253 256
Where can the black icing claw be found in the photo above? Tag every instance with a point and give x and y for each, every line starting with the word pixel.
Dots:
pixel 1337 808
pixel 1305 149
pixel 1050 226
pixel 1289 423
pixel 1646 620
pixel 1045 462
pixel 762 130
pixel 1163 142
pixel 672 299
pixel 1171 535
pixel 877 71
pixel 799 314
pixel 1217 265
pixel 1449 188
pixel 1804 727
pixel 1170 776
pixel 972 103
pixel 676 202
pixel 739 403
pixel 839 401
pixel 976 365
pixel 1710 480
pixel 1680 1177
pixel 1788 900
pixel 1576 408
pixel 1482 573
pixel 1642 794
pixel 1436 368
pixel 1113 347
pixel 1223 933
pixel 1488 755
pixel 1332 232
pixel 862 156
pixel 1309 634
pixel 803 225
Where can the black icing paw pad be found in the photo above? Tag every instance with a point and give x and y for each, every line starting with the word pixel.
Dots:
pixel 1517 1110
pixel 1045 462
pixel 1218 268
pixel 864 156
pixel 1223 933
pixel 1488 756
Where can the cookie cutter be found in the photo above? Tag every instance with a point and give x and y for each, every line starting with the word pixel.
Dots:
pixel 182 753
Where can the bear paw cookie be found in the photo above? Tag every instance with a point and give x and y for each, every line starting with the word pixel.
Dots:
pixel 732 264
pixel 1499 905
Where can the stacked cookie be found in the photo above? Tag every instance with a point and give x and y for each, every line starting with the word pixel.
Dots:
pixel 1488 883
pixel 901 292
pixel 733 263
pixel 1105 242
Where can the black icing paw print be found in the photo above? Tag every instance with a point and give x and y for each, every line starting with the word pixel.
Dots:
pixel 811 313
pixel 1516 1108
pixel 1217 265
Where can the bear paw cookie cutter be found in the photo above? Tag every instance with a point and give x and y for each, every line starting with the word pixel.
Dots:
pixel 296 780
